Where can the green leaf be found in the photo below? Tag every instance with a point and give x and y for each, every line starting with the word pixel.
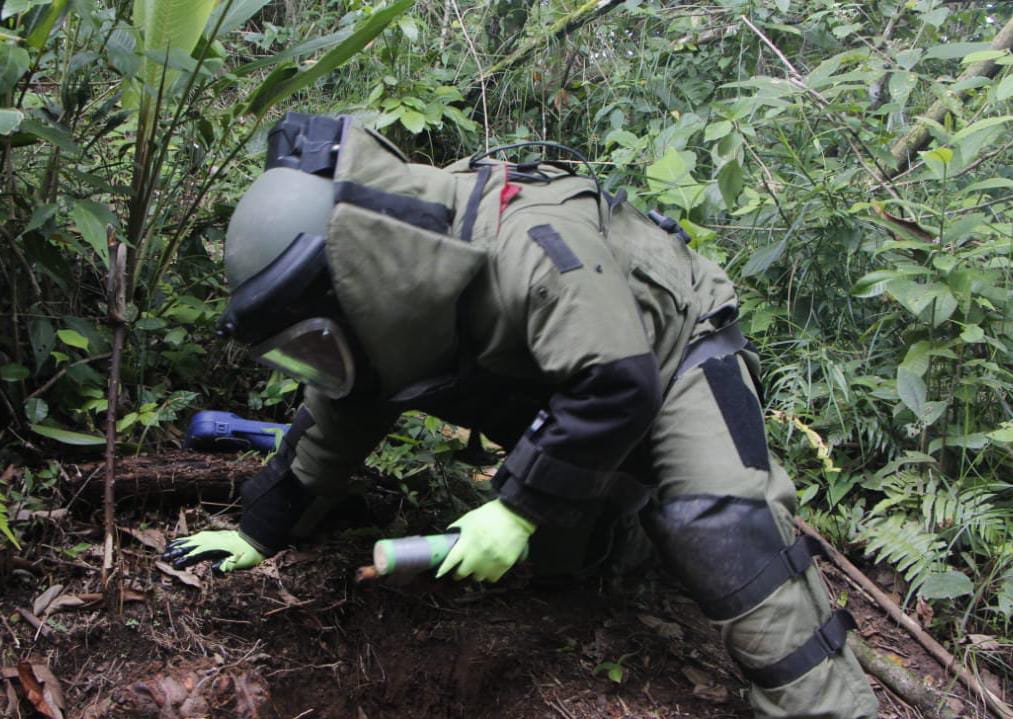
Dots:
pixel 1004 90
pixel 14 372
pixel 982 56
pixel 937 160
pixel 954 50
pixel 409 27
pixel 9 121
pixel 916 360
pixel 92 228
pixel 14 62
pixel 972 334
pixel 40 32
pixel 166 27
pixel 36 410
pixel 717 130
pixel 73 338
pixel 907 59
pixel 982 125
pixel 730 182
pixel 414 122
pixel 625 138
pixel 239 12
pixel 66 436
pixel 946 585
pixel 365 31
pixel 912 390
pixel 1004 434
pixel 992 183
pixel 50 133
pixel 764 258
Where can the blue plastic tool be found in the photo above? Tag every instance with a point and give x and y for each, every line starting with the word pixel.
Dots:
pixel 212 429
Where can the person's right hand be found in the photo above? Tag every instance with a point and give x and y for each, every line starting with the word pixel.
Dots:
pixel 227 546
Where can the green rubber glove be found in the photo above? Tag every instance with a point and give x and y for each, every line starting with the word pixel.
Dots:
pixel 493 538
pixel 227 546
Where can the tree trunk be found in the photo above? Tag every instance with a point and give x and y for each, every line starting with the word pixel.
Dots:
pixel 918 137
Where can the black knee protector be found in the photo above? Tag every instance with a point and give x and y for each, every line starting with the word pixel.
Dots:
pixel 726 550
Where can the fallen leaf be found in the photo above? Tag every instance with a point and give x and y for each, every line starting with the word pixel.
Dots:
pixel 151 538
pixel 712 693
pixel 131 595
pixel 985 642
pixel 54 515
pixel 666 630
pixel 46 598
pixel 36 693
pixel 50 685
pixel 704 686
pixel 696 676
pixel 188 578
pixel 12 700
pixel 98 709
pixel 39 625
pixel 67 601
pixel 924 612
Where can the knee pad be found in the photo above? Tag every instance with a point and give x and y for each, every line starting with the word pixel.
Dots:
pixel 726 550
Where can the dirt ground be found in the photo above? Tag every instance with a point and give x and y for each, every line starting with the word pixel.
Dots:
pixel 297 638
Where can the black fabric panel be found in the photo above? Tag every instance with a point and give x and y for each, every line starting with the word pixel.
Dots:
pixel 471 210
pixel 425 215
pixel 738 536
pixel 274 499
pixel 571 452
pixel 598 417
pixel 827 641
pixel 556 248
pixel 740 410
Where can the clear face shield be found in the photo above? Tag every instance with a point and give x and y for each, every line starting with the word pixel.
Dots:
pixel 288 314
pixel 313 351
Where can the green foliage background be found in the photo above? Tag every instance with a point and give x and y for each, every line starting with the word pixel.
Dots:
pixel 874 270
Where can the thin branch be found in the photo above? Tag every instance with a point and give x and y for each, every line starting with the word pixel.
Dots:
pixel 937 650
pixel 478 64
pixel 63 370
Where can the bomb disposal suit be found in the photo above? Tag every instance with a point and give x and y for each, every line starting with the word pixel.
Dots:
pixel 521 301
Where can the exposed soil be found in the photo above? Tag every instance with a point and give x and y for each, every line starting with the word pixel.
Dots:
pixel 297 638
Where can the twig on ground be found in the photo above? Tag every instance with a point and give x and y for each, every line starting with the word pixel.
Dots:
pixel 900 681
pixel 38 624
pixel 10 630
pixel 937 650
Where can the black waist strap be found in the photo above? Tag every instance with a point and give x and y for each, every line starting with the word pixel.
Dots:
pixel 827 641
pixel 726 341
pixel 787 564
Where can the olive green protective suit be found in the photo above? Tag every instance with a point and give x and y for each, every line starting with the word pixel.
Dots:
pixel 561 323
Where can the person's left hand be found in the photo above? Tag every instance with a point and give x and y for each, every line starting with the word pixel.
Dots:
pixel 226 546
pixel 493 538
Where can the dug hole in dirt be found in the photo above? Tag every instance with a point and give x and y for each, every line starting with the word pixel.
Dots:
pixel 297 638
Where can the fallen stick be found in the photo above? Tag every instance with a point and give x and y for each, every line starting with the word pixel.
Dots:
pixel 937 650
pixel 901 682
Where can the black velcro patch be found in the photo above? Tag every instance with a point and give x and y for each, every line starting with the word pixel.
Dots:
pixel 556 248
pixel 739 409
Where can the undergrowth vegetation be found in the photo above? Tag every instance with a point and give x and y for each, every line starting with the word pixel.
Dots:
pixel 849 163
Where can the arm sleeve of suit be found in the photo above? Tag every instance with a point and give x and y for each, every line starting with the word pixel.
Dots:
pixel 584 332
pixel 327 441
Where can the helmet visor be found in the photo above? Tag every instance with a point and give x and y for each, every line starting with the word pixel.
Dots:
pixel 314 351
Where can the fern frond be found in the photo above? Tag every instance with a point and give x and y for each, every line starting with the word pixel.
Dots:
pixel 909 548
